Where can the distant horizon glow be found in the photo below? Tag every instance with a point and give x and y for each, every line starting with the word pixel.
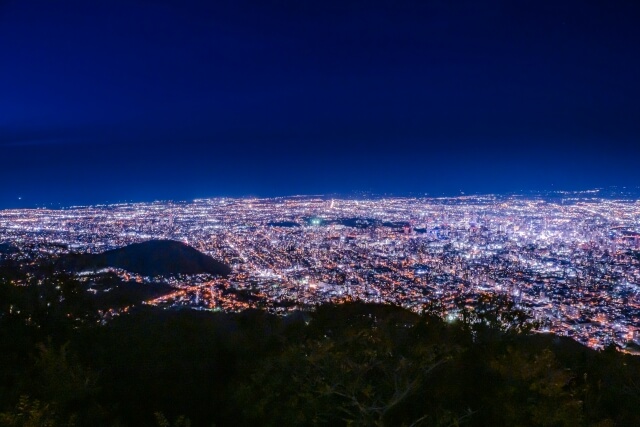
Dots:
pixel 614 192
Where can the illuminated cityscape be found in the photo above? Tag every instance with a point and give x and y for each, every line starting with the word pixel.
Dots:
pixel 330 213
pixel 571 262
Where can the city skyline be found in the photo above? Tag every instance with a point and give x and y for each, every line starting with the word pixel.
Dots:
pixel 570 263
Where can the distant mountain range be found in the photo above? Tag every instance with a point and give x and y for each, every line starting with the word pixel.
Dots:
pixel 150 258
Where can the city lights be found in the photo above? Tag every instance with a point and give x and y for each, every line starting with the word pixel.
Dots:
pixel 572 263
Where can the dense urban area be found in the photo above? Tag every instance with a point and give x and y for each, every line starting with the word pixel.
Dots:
pixel 572 262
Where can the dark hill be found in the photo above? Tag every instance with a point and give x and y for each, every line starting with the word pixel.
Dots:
pixel 151 258
pixel 7 248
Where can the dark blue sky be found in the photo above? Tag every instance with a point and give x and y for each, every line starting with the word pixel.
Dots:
pixel 114 100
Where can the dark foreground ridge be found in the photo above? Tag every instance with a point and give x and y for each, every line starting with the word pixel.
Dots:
pixel 349 364
pixel 151 258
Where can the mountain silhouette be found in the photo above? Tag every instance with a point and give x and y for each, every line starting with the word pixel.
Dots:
pixel 150 258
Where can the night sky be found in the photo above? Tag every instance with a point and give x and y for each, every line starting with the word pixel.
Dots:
pixel 104 101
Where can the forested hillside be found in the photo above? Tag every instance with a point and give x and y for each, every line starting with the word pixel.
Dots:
pixel 348 364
